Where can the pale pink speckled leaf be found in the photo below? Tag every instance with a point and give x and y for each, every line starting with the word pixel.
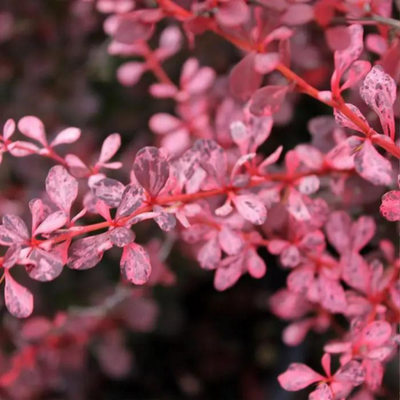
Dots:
pixel 351 372
pixel 53 222
pixel 372 166
pixel 251 208
pixel 295 333
pixel 231 242
pixel 228 273
pixel 243 79
pixel 379 92
pixel 121 236
pixel 165 220
pixel 33 128
pixel 271 159
pixel 87 252
pixel 322 392
pixel 355 271
pixel 290 256
pixel 255 264
pixel 232 13
pixel 338 229
pixel 18 232
pixel 331 294
pixel 357 71
pixel 297 14
pixel 46 265
pixel 300 279
pixel 296 206
pixel 69 135
pixel 11 256
pixel 376 333
pixel 135 264
pixel 18 299
pixel 209 254
pixel 132 199
pixel 110 147
pixel 308 185
pixel 345 122
pixel 163 123
pixel 61 187
pixel 151 169
pixel 297 377
pixel 374 371
pixel 109 190
pixel 39 212
pixel 342 156
pixel 390 207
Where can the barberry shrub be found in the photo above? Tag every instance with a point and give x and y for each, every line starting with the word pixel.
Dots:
pixel 323 206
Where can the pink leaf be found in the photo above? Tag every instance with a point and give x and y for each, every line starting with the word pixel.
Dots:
pixel 232 13
pixel 372 166
pixel 61 187
pixel 309 184
pixel 11 256
pixel 209 254
pixel 69 135
pixel 362 231
pixel 18 299
pixel 251 208
pixel 9 129
pixel 296 206
pixel 357 71
pixel 33 128
pixel 228 273
pixel 46 265
pixel 264 63
pixel 39 212
pixel 164 123
pixel 270 160
pixel 109 190
pixel 76 166
pixel 338 229
pixel 20 148
pixel 110 147
pixel 322 392
pixel 255 264
pixel 244 80
pixel 268 100
pixel 132 199
pixel 129 73
pixel 298 14
pixel 345 122
pixel 295 333
pixel 18 232
pixel 166 221
pixel 376 333
pixel 276 246
pixel 297 377
pixel 201 81
pixel 121 236
pixel 53 222
pixel 390 207
pixel 331 294
pixel 373 374
pixel 290 256
pixel 379 92
pixel 130 30
pixel 135 264
pixel 87 252
pixel 342 156
pixel 355 271
pixel 351 372
pixel 300 280
pixel 151 170
pixel 231 242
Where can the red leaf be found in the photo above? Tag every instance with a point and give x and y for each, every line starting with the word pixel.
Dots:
pixel 135 264
pixel 297 377
pixel 243 79
pixel 18 299
pixel 268 100
pixel 151 169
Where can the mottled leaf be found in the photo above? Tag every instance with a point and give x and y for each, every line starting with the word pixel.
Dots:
pixel 135 264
